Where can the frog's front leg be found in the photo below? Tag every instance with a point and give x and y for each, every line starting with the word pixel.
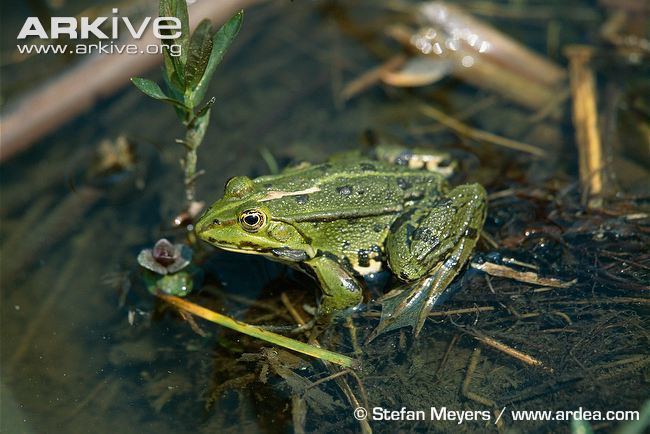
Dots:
pixel 429 244
pixel 341 290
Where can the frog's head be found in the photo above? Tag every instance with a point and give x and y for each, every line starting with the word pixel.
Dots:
pixel 241 222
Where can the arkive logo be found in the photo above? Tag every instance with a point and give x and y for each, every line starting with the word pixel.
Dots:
pixel 83 28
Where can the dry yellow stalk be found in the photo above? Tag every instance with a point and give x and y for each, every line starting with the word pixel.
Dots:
pixel 585 122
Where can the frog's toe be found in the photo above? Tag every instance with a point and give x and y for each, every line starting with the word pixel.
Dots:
pixel 304 327
pixel 409 307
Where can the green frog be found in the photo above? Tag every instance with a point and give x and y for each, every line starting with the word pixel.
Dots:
pixel 353 217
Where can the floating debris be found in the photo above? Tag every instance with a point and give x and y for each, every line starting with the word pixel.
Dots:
pixel 521 276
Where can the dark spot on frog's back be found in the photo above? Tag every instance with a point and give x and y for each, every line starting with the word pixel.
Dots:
pixel 414 195
pixel 403 183
pixel 404 158
pixel 425 235
pixel 302 199
pixel 410 229
pixel 347 265
pixel 367 166
pixel 329 255
pixel 345 190
pixel 363 257
pixel 471 232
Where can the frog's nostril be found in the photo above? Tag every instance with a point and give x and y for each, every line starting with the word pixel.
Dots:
pixel 216 222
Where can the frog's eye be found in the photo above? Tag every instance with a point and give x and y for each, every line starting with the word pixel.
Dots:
pixel 252 220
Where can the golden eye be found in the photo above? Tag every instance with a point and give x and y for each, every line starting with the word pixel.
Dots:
pixel 252 220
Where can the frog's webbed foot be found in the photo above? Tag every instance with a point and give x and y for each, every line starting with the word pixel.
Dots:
pixel 428 246
pixel 410 307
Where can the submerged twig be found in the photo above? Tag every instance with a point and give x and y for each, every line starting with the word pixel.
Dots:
pixel 516 354
pixel 471 367
pixel 79 88
pixel 521 276
pixel 445 357
pixel 371 77
pixel 479 54
pixel 480 135
pixel 474 310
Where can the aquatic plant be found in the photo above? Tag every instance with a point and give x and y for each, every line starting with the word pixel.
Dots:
pixel 165 257
pixel 168 268
pixel 187 74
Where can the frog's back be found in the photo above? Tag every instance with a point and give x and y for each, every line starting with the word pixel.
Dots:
pixel 345 190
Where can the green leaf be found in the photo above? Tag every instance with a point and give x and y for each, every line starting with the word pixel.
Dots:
pixel 199 55
pixel 176 94
pixel 176 64
pixel 221 41
pixel 151 88
pixel 172 76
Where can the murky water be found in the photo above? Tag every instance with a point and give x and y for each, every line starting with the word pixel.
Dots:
pixel 84 351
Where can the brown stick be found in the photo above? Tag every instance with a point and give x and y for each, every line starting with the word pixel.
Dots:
pixel 371 77
pixel 485 72
pixel 471 367
pixel 522 357
pixel 504 49
pixel 521 276
pixel 585 122
pixel 77 90
pixel 480 135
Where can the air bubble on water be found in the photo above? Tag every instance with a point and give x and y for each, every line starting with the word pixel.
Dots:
pixel 467 61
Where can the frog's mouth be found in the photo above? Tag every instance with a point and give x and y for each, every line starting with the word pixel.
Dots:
pixel 284 253
pixel 240 248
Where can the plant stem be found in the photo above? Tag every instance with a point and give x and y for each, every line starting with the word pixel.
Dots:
pixel 259 333
pixel 190 170
pixel 193 138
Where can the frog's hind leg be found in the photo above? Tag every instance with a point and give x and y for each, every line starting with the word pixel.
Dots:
pixel 428 246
